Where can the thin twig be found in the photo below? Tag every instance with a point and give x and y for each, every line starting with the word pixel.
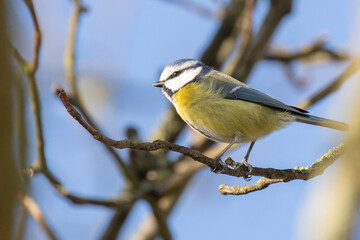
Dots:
pixel 30 69
pixel 116 223
pixel 33 65
pixel 305 53
pixel 286 175
pixel 69 56
pixel 35 211
pixel 111 203
pixel 261 184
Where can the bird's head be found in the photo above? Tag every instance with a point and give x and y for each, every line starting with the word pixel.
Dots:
pixel 180 73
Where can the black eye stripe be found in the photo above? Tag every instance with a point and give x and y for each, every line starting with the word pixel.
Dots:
pixel 175 74
pixel 204 69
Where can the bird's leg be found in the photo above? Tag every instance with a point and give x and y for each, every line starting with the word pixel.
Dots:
pixel 246 158
pixel 218 157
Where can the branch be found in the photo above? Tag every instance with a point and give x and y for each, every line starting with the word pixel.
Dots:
pixel 228 29
pixel 33 65
pixel 117 222
pixel 240 190
pixel 237 169
pixel 30 69
pixel 69 56
pixel 112 203
pixel 35 211
pixel 306 53
pixel 255 48
pixel 286 175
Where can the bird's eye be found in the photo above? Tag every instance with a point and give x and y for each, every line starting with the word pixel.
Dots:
pixel 175 74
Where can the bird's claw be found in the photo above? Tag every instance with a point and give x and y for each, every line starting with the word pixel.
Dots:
pixel 222 169
pixel 249 167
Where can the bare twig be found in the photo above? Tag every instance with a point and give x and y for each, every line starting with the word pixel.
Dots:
pixel 69 56
pixel 117 222
pixel 111 203
pixel 303 173
pixel 306 53
pixel 36 213
pixel 30 69
pixel 33 65
pixel 262 183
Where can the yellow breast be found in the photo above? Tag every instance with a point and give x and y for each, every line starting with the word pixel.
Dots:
pixel 219 119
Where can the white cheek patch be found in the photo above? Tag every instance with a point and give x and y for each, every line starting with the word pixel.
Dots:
pixel 185 77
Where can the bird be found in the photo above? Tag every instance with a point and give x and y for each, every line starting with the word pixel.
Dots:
pixel 227 110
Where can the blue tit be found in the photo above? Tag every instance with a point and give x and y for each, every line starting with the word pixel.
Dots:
pixel 224 109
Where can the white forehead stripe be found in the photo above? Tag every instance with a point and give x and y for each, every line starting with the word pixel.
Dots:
pixel 176 66
pixel 184 78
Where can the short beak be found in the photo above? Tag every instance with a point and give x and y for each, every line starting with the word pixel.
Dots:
pixel 158 84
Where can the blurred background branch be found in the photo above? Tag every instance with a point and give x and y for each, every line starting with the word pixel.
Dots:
pixel 33 208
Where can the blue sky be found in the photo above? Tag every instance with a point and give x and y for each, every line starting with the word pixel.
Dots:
pixel 122 48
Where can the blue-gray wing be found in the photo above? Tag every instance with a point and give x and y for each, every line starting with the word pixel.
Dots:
pixel 251 95
pixel 236 90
